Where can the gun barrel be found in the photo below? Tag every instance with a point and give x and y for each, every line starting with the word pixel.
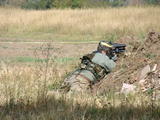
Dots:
pixel 119 48
pixel 118 45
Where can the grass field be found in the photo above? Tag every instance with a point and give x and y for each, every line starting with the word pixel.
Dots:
pixel 78 24
pixel 30 67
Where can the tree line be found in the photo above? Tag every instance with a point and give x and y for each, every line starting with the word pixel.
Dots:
pixel 47 4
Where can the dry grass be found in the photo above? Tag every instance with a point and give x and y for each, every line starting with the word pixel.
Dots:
pixel 24 88
pixel 85 23
pixel 23 93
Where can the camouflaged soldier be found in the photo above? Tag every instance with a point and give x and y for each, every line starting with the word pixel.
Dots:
pixel 92 69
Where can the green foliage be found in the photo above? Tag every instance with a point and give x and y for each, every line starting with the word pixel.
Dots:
pixel 154 2
pixel 67 3
pixel 117 3
pixel 46 4
pixel 150 55
pixel 76 3
pixel 15 3
pixel 150 91
pixel 2 2
pixel 38 4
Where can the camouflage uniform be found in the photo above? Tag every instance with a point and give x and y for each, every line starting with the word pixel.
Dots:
pixel 82 79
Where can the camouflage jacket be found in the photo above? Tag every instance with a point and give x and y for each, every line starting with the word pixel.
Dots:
pixel 101 60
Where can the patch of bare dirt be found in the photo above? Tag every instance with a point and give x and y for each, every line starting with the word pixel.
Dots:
pixel 15 49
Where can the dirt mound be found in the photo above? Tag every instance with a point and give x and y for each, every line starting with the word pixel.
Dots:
pixel 149 78
pixel 139 54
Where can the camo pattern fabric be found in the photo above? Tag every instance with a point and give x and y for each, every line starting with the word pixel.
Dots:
pixel 76 83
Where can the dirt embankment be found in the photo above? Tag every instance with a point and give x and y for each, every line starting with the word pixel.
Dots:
pixel 139 54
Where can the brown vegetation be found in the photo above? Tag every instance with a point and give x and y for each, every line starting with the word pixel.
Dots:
pixel 84 24
pixel 24 87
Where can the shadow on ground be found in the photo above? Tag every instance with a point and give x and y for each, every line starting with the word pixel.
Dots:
pixel 62 109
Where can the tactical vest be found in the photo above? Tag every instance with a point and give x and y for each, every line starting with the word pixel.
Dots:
pixel 86 64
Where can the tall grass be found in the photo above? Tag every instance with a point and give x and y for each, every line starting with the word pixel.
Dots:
pixel 23 89
pixel 23 93
pixel 78 24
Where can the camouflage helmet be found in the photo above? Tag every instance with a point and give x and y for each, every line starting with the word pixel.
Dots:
pixel 104 46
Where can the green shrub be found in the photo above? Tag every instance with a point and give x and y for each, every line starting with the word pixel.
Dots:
pixel 45 4
pixel 67 3
pixel 37 4
pixel 77 3
pixel 117 3
pixel 153 2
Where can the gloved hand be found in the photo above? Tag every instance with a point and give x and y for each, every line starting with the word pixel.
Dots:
pixel 114 58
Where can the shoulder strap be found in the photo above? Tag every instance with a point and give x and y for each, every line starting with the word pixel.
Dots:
pixel 86 59
pixel 89 56
pixel 97 70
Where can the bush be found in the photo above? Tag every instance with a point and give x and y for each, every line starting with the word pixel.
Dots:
pixel 15 3
pixel 67 3
pixel 76 3
pixel 38 4
pixel 45 4
pixel 117 3
pixel 153 2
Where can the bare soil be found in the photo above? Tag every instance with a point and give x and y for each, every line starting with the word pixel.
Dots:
pixel 14 49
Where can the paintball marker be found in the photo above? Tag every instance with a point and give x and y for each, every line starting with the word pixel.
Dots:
pixel 117 49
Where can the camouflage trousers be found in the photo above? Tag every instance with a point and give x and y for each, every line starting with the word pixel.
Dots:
pixel 76 83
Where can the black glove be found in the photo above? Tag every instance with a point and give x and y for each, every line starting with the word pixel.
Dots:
pixel 114 58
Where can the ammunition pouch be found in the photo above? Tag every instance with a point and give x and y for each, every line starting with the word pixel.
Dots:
pixel 86 64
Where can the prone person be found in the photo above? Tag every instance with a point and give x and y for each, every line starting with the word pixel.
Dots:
pixel 93 68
